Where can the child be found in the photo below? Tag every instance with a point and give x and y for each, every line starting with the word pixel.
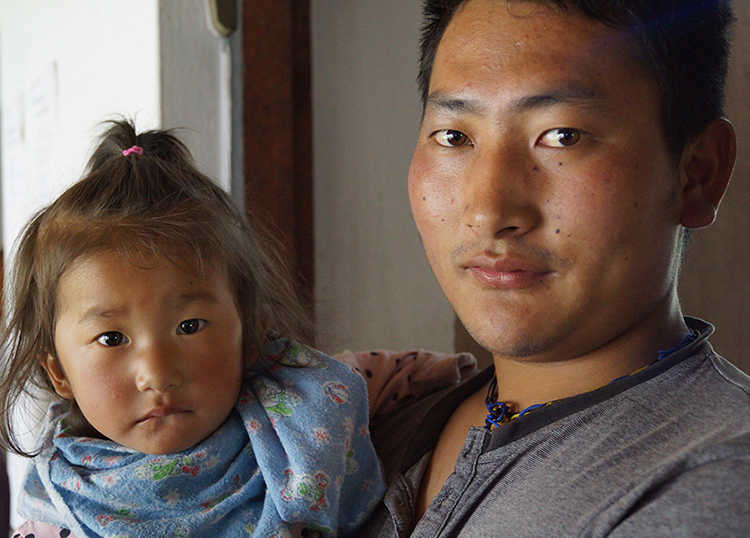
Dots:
pixel 185 406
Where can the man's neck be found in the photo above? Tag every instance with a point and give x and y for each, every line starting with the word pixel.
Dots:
pixel 522 383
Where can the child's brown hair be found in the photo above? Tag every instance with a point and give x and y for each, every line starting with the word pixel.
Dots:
pixel 154 203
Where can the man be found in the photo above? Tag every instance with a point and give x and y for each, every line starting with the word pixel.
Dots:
pixel 566 149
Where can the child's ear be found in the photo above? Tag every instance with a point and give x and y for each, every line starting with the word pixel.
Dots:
pixel 706 166
pixel 52 366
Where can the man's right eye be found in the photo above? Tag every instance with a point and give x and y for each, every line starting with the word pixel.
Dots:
pixel 112 339
pixel 449 138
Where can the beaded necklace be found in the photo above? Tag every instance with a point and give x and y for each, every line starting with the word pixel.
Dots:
pixel 500 413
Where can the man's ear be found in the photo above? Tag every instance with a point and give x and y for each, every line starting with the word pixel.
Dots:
pixel 56 375
pixel 706 166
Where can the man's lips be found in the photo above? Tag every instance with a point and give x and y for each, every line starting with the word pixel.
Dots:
pixel 506 272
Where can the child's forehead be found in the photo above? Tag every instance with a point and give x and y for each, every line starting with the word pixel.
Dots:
pixel 185 260
pixel 111 281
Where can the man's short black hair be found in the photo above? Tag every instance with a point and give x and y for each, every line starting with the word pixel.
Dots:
pixel 684 44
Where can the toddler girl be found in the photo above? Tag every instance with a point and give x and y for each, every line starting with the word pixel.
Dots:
pixel 143 302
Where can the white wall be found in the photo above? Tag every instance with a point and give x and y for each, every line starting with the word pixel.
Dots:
pixel 67 66
pixel 64 67
pixel 374 288
pixel 196 85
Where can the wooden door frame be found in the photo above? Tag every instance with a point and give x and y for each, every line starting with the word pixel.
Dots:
pixel 277 124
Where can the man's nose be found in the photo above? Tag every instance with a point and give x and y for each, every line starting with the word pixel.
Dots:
pixel 498 193
pixel 158 368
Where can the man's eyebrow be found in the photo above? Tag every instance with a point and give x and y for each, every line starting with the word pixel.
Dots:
pixel 571 94
pixel 455 105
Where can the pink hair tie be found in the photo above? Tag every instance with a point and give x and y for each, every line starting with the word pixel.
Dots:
pixel 134 149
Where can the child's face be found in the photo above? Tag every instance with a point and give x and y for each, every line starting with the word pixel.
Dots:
pixel 152 356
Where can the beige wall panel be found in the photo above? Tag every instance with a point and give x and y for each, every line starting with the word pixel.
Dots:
pixel 374 288
pixel 714 282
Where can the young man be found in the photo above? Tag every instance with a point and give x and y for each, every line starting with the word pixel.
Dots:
pixel 565 150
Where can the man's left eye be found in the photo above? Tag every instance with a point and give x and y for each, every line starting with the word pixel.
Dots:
pixel 450 138
pixel 190 326
pixel 560 138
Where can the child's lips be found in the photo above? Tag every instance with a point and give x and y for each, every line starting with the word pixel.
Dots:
pixel 161 412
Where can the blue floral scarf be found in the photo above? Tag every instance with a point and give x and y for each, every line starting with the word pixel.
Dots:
pixel 295 452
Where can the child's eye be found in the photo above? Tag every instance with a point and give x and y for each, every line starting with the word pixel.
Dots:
pixel 449 138
pixel 560 138
pixel 112 339
pixel 190 326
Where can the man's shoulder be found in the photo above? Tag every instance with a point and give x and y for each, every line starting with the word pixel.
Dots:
pixel 708 381
pixel 403 437
pixel 705 366
pixel 730 373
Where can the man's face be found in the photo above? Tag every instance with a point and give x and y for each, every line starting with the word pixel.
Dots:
pixel 542 187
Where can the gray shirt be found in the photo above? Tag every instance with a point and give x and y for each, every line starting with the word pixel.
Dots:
pixel 664 452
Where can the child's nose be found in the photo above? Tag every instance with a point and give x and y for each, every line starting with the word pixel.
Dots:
pixel 158 369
